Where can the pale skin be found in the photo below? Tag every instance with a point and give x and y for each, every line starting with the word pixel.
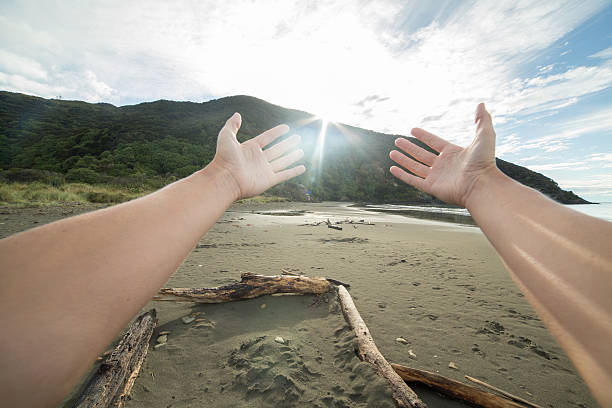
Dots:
pixel 69 287
pixel 559 258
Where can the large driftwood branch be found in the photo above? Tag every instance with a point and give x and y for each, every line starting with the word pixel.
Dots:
pixel 402 394
pixel 454 388
pixel 251 286
pixel 502 392
pixel 113 381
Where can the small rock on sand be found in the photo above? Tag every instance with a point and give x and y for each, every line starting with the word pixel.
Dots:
pixel 401 340
pixel 279 340
pixel 162 339
pixel 159 345
pixel 262 306
pixel 411 354
pixel 187 319
pixel 452 365
pixel 165 333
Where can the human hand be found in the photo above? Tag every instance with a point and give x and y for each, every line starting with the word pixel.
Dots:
pixel 452 175
pixel 253 169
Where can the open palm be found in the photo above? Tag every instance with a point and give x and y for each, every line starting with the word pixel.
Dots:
pixel 452 174
pixel 254 169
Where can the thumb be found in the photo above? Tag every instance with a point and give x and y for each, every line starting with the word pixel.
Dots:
pixel 231 126
pixel 485 134
pixel 483 118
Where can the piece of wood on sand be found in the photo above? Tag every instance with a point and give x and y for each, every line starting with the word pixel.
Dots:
pixel 250 286
pixel 111 384
pixel 332 226
pixel 402 393
pixel 454 389
pixel 502 392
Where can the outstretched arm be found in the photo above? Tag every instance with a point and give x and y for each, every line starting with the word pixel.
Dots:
pixel 559 258
pixel 69 287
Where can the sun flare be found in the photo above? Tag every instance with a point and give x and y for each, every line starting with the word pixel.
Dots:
pixel 317 157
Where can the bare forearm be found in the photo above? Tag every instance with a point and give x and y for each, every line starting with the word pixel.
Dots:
pixel 562 260
pixel 87 277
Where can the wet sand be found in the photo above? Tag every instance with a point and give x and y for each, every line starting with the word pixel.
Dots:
pixel 440 286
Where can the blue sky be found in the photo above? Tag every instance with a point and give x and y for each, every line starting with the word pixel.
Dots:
pixel 544 69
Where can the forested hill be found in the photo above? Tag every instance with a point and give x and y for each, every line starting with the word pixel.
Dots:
pixel 155 143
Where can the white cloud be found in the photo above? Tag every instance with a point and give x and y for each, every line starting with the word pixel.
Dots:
pixel 574 166
pixel 606 158
pixel 546 68
pixel 559 135
pixel 591 185
pixel 607 53
pixel 321 57
pixel 15 64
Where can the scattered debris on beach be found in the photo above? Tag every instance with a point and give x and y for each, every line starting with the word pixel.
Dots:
pixel 138 336
pixel 337 224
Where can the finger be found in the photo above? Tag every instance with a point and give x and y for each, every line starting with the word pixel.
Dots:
pixel 280 148
pixel 410 164
pixel 289 174
pixel 485 134
pixel 233 123
pixel 288 160
pixel 271 135
pixel 407 177
pixel 431 140
pixel 415 151
pixel 231 126
pixel 483 117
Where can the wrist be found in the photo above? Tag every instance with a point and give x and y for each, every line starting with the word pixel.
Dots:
pixel 224 183
pixel 485 187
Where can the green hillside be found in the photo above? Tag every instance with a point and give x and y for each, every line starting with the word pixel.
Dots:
pixel 154 143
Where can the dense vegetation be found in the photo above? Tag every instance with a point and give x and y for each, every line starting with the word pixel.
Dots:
pixel 146 146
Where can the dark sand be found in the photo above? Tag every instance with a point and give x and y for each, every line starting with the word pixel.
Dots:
pixel 440 286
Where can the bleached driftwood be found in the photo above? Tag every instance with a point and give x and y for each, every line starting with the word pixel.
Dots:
pixel 502 392
pixel 113 381
pixel 402 393
pixel 454 388
pixel 328 222
pixel 332 226
pixel 250 286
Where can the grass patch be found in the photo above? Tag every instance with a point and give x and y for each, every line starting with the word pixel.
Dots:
pixel 40 193
pixel 262 199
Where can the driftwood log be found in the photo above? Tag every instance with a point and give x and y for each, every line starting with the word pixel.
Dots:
pixel 402 393
pixel 332 226
pixel 502 392
pixel 454 388
pixel 328 222
pixel 250 286
pixel 113 381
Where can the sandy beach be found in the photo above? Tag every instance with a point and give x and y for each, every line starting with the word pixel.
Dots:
pixel 438 285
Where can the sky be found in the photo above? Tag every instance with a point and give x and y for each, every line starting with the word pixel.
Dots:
pixel 543 68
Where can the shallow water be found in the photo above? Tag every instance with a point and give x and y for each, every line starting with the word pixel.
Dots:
pixel 462 215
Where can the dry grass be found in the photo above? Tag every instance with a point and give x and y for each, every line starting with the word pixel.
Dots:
pixel 263 199
pixel 40 193
pixel 37 193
